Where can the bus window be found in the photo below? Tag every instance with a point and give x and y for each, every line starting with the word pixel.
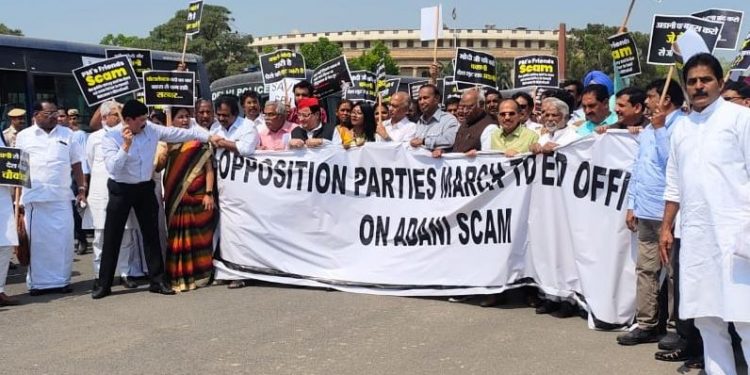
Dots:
pixel 65 92
pixel 12 93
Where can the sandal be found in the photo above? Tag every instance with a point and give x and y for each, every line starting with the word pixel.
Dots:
pixel 695 363
pixel 677 355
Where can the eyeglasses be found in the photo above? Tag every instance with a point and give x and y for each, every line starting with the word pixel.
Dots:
pixel 523 106
pixel 47 113
pixel 304 115
pixel 503 114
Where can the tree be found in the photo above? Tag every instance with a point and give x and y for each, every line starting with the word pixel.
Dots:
pixel 224 51
pixel 588 49
pixel 319 52
pixel 370 59
pixel 5 30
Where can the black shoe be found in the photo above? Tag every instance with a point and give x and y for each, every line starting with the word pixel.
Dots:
pixel 161 288
pixel 100 292
pixel 566 310
pixel 547 307
pixel 95 285
pixel 12 266
pixel 64 290
pixel 490 300
pixel 128 282
pixel 677 355
pixel 81 247
pixel 638 336
pixel 671 341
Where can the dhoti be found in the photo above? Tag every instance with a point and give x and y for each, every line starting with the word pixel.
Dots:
pixel 50 230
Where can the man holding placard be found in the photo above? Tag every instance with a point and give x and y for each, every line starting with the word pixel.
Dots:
pixel 8 237
pixel 53 155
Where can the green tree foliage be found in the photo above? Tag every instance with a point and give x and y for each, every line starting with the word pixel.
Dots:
pixel 5 30
pixel 370 59
pixel 588 49
pixel 319 52
pixel 225 52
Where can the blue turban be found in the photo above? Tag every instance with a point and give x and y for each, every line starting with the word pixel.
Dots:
pixel 600 78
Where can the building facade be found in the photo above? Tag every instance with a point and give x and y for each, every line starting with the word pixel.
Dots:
pixel 414 56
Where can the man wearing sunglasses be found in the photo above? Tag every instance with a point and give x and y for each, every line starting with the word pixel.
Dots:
pixel 525 108
pixel 737 93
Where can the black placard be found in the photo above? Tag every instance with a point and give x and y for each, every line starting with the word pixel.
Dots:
pixel 194 14
pixel 414 89
pixel 387 88
pixel 280 64
pixel 139 58
pixel 475 68
pixel 732 20
pixel 449 88
pixel 362 88
pixel 625 54
pixel 169 88
pixel 14 167
pixel 328 77
pixel 535 70
pixel 106 79
pixel 742 61
pixel 666 29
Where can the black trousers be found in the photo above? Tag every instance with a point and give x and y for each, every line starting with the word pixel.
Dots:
pixel 141 198
pixel 685 328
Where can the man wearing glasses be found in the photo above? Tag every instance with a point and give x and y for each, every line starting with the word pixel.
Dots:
pixel 53 157
pixel 737 93
pixel 526 107
pixel 312 132
pixel 275 133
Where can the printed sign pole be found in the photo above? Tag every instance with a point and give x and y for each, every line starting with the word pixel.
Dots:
pixel 437 35
pixel 627 17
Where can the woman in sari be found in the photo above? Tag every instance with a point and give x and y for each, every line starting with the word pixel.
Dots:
pixel 189 203
pixel 362 128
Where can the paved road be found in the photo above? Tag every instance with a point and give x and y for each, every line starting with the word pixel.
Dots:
pixel 271 329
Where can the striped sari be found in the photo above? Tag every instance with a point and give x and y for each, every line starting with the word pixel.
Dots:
pixel 190 228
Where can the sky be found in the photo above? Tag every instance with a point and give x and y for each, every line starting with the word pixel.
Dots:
pixel 89 20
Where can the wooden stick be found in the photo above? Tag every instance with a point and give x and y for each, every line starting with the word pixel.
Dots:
pixel 184 49
pixel 286 96
pixel 168 112
pixel 380 102
pixel 666 86
pixel 17 202
pixel 627 17
pixel 437 25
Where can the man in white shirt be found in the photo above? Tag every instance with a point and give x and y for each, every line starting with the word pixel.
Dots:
pixel 251 107
pixel 52 156
pixel 708 181
pixel 398 128
pixel 526 106
pixel 129 159
pixel 233 132
pixel 129 261
pixel 555 118
pixel 8 237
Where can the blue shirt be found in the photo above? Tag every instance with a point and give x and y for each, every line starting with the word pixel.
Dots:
pixel 137 164
pixel 588 126
pixel 648 179
pixel 438 131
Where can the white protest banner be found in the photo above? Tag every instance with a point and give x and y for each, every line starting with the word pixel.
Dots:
pixel 431 20
pixel 282 91
pixel 387 219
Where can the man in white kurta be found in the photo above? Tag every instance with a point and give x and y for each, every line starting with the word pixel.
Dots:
pixel 8 237
pixel 708 180
pixel 52 156
pixel 130 262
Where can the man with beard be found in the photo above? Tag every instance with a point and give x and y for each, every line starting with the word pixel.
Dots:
pixel 575 89
pixel 436 130
pixel 473 120
pixel 555 118
pixel 708 179
pixel 630 107
pixel 275 133
pixel 595 104
pixel 398 128
pixel 53 158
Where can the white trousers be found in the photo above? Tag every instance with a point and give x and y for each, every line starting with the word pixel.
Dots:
pixel 5 253
pixel 50 229
pixel 717 344
pixel 130 261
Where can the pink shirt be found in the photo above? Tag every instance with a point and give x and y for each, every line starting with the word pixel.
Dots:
pixel 277 141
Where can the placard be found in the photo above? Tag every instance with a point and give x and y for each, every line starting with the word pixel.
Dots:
pixel 535 70
pixel 665 30
pixel 732 20
pixel 625 54
pixel 362 88
pixel 475 68
pixel 106 79
pixel 195 12
pixel 742 61
pixel 328 77
pixel 15 167
pixel 139 58
pixel 170 88
pixel 280 64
